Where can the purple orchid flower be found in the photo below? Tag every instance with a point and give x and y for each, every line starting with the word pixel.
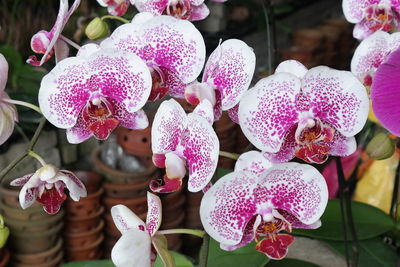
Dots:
pixel 180 141
pixel 49 43
pixel 371 53
pixel 385 93
pixel 96 91
pixel 227 76
pixel 116 7
pixel 372 15
pixel 259 200
pixel 308 114
pixel 47 186
pixel 173 49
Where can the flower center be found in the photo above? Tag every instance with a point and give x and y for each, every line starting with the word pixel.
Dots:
pixel 158 90
pixel 178 8
pixel 52 199
pixel 380 17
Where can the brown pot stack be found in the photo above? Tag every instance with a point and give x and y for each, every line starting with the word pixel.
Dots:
pixel 83 232
pixel 34 235
pixel 226 132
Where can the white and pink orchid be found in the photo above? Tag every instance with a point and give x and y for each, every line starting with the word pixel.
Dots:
pixel 308 114
pixel 50 43
pixel 173 49
pixel 227 76
pixel 47 186
pixel 371 53
pixel 96 91
pixel 260 200
pixel 116 7
pixel 180 141
pixel 8 112
pixel 372 15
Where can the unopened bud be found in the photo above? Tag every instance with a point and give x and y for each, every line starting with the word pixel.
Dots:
pixel 380 147
pixel 96 29
pixel 4 232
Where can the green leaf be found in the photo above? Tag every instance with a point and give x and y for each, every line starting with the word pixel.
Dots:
pixel 180 260
pixel 373 252
pixel 290 263
pixel 161 245
pixel 243 257
pixel 222 172
pixel 369 222
pixel 101 263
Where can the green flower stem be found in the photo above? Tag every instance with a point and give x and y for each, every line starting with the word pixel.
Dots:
pixel 116 18
pixel 22 103
pixel 36 156
pixel 203 256
pixel 229 155
pixel 194 232
pixel 70 42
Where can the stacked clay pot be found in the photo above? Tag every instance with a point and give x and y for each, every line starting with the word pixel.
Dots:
pixel 34 235
pixel 192 244
pixel 226 132
pixel 83 232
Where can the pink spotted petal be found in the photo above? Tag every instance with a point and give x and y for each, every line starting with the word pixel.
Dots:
pixel 205 110
pixel 75 187
pixel 153 220
pixel 159 160
pixel 268 111
pixel 362 30
pixel 61 50
pixel 233 113
pixel 199 12
pixel 168 126
pixel 224 213
pixel 118 7
pixel 133 249
pixel 295 223
pixel 396 5
pixel 9 115
pixel 301 183
pixel 166 185
pixel 79 133
pixel 21 181
pixel 275 248
pixel 86 50
pixel 293 67
pixel 175 166
pixel 125 220
pixel 201 150
pixel 52 200
pixel 337 98
pixel 3 73
pixel 343 146
pixel 40 42
pixel 163 41
pixel 287 150
pixel 354 9
pixel 252 161
pixel 155 7
pixel 176 88
pixel 230 69
pixel 197 92
pixel 135 121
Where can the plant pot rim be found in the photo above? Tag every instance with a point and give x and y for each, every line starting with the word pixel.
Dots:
pixel 78 219
pixel 91 196
pixel 51 251
pixel 125 201
pixel 91 246
pixel 49 232
pixel 56 260
pixel 95 230
pixel 44 221
pixel 26 211
pixel 139 184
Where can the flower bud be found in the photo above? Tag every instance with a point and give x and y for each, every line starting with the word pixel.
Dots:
pixel 4 232
pixel 380 147
pixel 96 29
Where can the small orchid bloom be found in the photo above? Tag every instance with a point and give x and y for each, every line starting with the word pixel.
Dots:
pixel 47 186
pixel 137 246
pixel 371 53
pixel 227 76
pixel 372 15
pixel 8 112
pixel 116 7
pixel 191 10
pixel 254 204
pixel 180 141
pixel 49 43
pixel 308 114
pixel 173 49
pixel 96 91
pixel 385 93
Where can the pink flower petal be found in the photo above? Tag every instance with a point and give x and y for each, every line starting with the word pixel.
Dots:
pixel 252 161
pixel 362 30
pixel 79 133
pixel 8 115
pixel 201 150
pixel 295 223
pixel 233 113
pixel 118 7
pixel 51 199
pixel 293 67
pixel 75 187
pixel 61 50
pixel 205 110
pixel 155 7
pixel 337 98
pixel 173 83
pixel 343 146
pixel 88 49
pixel 168 126
pixel 153 220
pixel 21 181
pixel 175 167
pixel 3 73
pixel 135 121
pixel 354 9
pixel 166 185
pixel 275 248
pixel 287 150
pixel 125 220
pixel 230 69
pixel 199 12
pixel 268 111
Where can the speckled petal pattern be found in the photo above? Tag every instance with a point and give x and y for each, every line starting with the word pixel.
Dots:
pixel 354 9
pixel 75 187
pixel 155 7
pixel 125 219
pixel 362 30
pixel 343 146
pixel 199 12
pixel 293 67
pixel 153 220
pixel 205 110
pixel 252 161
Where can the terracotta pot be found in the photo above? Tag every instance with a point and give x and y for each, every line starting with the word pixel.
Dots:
pixel 302 54
pixel 168 199
pixel 126 191
pixel 135 142
pixel 174 241
pixel 119 177
pixel 175 223
pixel 4 257
pixel 137 205
pixel 10 195
pixel 54 263
pixel 224 127
pixel 193 199
pixel 172 211
pixel 192 219
pixel 309 38
pixel 34 242
pixel 111 230
pixel 83 224
pixel 39 258
pixel 83 239
pixel 90 252
pixel 91 180
pixel 85 206
pixel 37 226
pixel 29 214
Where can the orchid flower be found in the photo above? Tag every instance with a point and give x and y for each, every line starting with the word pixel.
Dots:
pixel 50 43
pixel 309 114
pixel 173 49
pixel 227 76
pixel 371 53
pixel 255 204
pixel 116 7
pixel 385 93
pixel 372 15
pixel 8 112
pixel 96 91
pixel 47 186
pixel 180 141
